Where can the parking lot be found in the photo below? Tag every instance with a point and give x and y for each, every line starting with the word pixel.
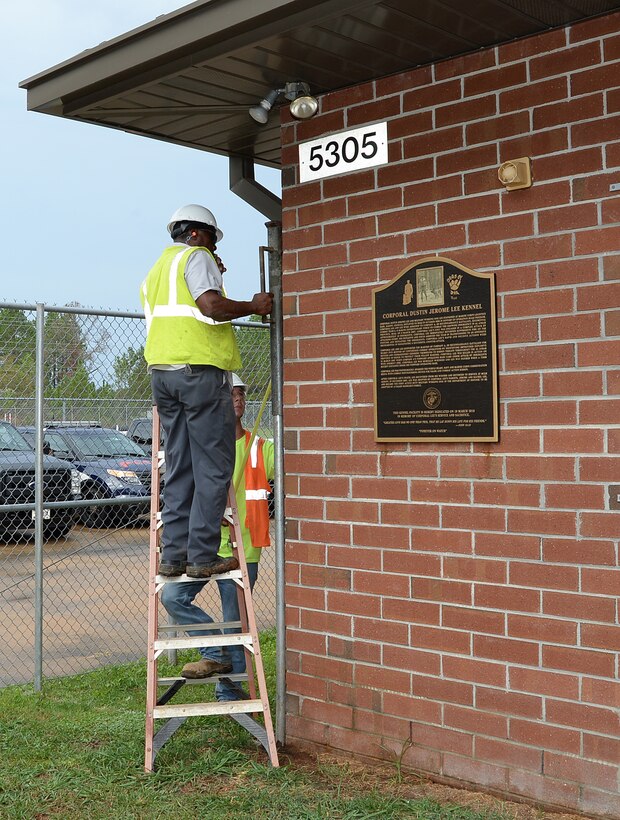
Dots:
pixel 94 600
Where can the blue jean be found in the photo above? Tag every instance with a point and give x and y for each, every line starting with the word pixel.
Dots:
pixel 178 598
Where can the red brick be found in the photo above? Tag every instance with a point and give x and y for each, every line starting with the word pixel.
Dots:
pixel 427 663
pixel 412 563
pixel 540 357
pixel 595 132
pixel 574 110
pixel 354 603
pixel 599 803
pixel 579 441
pixel 378 677
pixel 330 713
pixel 306 642
pixel 568 272
pixel 376 629
pixel 583 161
pixel 495 80
pixel 493 130
pixel 465 64
pixel 541 413
pixel 502 228
pixel 440 738
pixel 377 110
pixel 542 789
pixel 474 620
pixel 583 497
pixel 599 525
pixel 325 124
pixel 412 708
pixel 415 612
pixel 363 511
pixel 478 156
pixel 435 239
pixel 582 326
pixel 601 748
pixel 593 186
pixel 406 219
pixel 437 540
pixel 601 637
pixel 347 184
pixel 446 640
pixel 542 521
pixel 591 354
pixel 597 241
pixel 589 29
pixel 354 557
pixel 466 111
pixel 512 651
pixel 495 597
pixel 326 622
pixel 464 466
pixel 443 690
pixel 582 716
pixel 518 385
pixel 476 721
pixel 354 650
pixel 305 598
pixel 474 569
pixel 507 545
pixel 327 668
pixel 541 682
pixel 573 383
pixel 577 660
pixel 508 753
pixel 551 630
pixel 544 736
pixel 458 492
pixel 535 144
pixel 526 304
pixel 581 771
pixel 475 671
pixel 410 514
pixel 600 297
pixel 604 692
pixel 430 141
pixel 568 59
pixel 536 468
pixel 579 552
pixel 601 581
pixel 581 607
pixel 474 771
pixel 534 94
pixel 521 495
pixel 307 686
pixel 529 46
pixel 325 577
pixel 595 79
pixel 438 589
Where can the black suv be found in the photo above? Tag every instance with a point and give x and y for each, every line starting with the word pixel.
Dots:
pixel 60 483
pixel 141 431
pixel 111 465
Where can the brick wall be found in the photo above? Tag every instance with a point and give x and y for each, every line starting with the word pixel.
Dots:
pixel 463 596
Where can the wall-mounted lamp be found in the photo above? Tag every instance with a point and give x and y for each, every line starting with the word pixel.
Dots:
pixel 515 174
pixel 303 104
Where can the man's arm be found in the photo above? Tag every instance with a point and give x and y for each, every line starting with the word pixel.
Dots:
pixel 218 307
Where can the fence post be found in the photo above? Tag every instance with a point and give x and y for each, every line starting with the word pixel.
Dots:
pixel 274 234
pixel 38 501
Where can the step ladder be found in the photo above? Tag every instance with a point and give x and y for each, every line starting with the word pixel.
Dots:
pixel 163 637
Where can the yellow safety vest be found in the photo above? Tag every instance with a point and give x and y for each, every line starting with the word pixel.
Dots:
pixel 177 332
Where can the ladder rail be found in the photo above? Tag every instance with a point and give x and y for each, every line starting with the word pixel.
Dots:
pixel 177 714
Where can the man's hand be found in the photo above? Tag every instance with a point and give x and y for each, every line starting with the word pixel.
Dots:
pixel 262 303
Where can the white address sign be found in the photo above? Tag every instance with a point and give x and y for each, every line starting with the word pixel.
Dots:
pixel 340 153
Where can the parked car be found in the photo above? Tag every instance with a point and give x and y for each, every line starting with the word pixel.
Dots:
pixel 116 468
pixel 61 482
pixel 141 431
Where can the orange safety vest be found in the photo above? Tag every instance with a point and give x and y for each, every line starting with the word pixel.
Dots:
pixel 257 490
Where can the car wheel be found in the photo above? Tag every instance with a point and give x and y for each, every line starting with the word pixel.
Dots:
pixel 59 526
pixel 95 516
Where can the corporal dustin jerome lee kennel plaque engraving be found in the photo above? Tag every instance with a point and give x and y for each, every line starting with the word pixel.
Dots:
pixel 435 354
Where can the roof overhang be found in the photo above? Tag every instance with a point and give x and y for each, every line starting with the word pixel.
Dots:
pixel 189 77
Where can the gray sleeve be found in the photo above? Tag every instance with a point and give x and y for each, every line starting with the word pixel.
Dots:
pixel 202 274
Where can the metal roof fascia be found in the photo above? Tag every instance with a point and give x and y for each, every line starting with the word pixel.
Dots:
pixel 170 43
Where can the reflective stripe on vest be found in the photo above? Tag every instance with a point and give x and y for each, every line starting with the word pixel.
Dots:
pixel 257 490
pixel 176 328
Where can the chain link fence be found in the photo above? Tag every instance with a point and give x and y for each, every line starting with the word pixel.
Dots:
pixel 96 402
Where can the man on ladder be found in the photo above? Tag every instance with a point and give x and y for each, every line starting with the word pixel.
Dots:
pixel 190 349
pixel 253 470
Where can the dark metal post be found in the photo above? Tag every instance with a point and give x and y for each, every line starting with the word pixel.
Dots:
pixel 274 233
pixel 38 502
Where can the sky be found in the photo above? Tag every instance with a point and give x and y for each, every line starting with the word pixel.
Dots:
pixel 84 208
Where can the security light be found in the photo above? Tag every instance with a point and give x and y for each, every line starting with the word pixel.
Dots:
pixel 302 106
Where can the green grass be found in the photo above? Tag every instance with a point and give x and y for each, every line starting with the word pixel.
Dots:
pixel 77 751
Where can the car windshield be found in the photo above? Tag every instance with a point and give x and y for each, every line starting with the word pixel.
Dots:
pixel 11 439
pixel 56 441
pixel 143 429
pixel 102 443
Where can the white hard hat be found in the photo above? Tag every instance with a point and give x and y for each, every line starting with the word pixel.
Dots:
pixel 236 381
pixel 195 213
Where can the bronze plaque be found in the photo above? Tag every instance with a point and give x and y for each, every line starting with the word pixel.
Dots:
pixel 435 354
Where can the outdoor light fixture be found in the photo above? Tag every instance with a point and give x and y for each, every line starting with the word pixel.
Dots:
pixel 303 104
pixel 515 174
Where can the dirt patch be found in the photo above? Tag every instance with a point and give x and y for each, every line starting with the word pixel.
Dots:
pixel 351 776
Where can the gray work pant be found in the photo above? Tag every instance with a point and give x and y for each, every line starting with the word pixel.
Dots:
pixel 197 416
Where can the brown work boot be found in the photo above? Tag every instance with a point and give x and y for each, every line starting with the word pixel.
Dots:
pixel 205 668
pixel 217 567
